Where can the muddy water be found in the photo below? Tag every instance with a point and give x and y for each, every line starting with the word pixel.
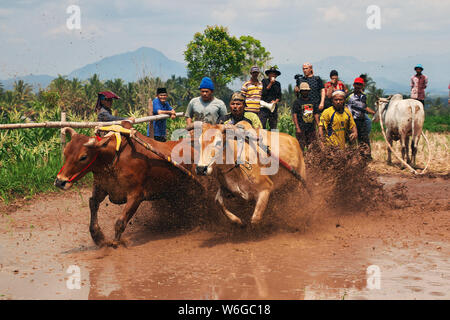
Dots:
pixel 392 254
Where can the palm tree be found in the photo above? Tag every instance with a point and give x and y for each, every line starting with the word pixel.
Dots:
pixel 22 91
pixel 93 87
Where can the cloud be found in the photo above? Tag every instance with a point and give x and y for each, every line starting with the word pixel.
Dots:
pixel 332 14
pixel 5 13
pixel 225 15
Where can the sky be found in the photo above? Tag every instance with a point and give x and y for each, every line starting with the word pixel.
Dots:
pixel 35 39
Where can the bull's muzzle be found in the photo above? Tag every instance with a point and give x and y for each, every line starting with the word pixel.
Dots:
pixel 202 170
pixel 60 183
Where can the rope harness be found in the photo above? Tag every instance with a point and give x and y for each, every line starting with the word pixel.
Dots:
pixel 267 151
pixel 118 130
pixel 85 168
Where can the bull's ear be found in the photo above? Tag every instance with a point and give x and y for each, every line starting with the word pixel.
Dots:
pixel 70 131
pixel 126 124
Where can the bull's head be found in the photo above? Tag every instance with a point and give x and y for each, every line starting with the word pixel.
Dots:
pixel 380 105
pixel 218 145
pixel 79 157
pixel 211 148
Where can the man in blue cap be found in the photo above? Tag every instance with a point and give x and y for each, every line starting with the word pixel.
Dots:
pixel 419 83
pixel 206 108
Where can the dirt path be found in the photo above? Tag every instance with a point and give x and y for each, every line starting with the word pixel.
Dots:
pixel 410 246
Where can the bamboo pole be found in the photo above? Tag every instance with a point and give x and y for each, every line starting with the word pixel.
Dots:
pixel 61 124
pixel 63 134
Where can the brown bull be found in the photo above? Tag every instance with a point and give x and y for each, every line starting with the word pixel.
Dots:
pixel 249 175
pixel 131 175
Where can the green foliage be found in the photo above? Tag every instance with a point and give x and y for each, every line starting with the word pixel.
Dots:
pixel 255 55
pixel 30 158
pixel 222 57
pixel 216 54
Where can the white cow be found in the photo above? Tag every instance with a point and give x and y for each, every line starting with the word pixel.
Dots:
pixel 402 118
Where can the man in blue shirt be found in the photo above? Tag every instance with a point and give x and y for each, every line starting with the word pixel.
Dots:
pixel 161 106
pixel 357 104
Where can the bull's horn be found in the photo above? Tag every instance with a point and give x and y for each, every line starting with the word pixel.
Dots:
pixel 90 143
pixel 69 130
pixel 389 97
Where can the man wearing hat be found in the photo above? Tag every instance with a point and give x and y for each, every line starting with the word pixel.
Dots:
pixel 271 94
pixel 336 122
pixel 304 114
pixel 252 90
pixel 206 108
pixel 103 107
pixel 161 106
pixel 419 83
pixel 357 104
pixel 237 114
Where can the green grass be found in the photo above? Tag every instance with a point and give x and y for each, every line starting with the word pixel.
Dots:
pixel 30 158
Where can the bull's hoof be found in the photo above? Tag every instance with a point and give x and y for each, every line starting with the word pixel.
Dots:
pixel 238 222
pixel 99 239
pixel 256 221
pixel 115 244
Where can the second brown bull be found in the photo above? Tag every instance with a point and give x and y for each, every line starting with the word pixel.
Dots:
pixel 246 170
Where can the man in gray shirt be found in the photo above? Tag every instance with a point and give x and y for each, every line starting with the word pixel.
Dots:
pixel 205 108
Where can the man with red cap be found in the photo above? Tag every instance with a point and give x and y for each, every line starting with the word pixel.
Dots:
pixel 357 104
pixel 103 107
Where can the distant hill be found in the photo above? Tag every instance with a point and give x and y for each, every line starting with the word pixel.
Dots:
pixel 131 66
pixel 392 75
pixel 37 81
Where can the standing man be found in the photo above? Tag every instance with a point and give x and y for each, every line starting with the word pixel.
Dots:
pixel 317 93
pixel 336 123
pixel 304 114
pixel 333 85
pixel 419 83
pixel 366 116
pixel 206 108
pixel 357 104
pixel 161 106
pixel 271 95
pixel 252 91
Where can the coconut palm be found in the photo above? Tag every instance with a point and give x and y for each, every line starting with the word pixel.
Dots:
pixel 22 91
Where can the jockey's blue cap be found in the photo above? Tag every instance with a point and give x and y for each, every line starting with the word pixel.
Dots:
pixel 418 66
pixel 207 84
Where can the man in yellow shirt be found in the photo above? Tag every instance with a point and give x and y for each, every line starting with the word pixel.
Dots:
pixel 337 122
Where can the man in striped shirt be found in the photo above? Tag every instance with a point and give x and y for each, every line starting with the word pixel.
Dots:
pixel 252 90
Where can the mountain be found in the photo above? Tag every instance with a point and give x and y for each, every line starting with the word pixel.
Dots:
pixel 131 66
pixel 392 75
pixel 37 81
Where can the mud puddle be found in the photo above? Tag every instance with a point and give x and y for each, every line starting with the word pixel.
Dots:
pixel 394 254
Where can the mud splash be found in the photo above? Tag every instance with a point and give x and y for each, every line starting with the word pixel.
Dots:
pixel 343 180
